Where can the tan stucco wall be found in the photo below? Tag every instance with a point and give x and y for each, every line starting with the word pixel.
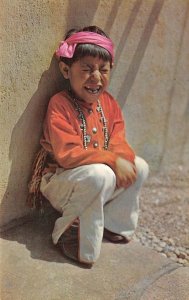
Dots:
pixel 150 79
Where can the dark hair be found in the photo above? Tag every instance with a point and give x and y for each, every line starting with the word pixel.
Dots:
pixel 82 50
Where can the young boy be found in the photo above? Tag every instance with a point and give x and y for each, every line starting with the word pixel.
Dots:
pixel 92 177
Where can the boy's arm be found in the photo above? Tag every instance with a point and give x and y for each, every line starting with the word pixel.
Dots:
pixel 61 138
pixel 67 145
pixel 125 167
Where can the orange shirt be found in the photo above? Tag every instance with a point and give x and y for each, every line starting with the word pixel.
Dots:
pixel 62 135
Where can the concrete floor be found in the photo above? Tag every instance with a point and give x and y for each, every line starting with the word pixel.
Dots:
pixel 33 268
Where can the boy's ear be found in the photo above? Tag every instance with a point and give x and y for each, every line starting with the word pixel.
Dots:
pixel 64 69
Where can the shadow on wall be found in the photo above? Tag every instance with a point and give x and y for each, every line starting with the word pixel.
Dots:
pixel 27 131
pixel 25 141
pixel 183 125
pixel 141 48
pixel 81 15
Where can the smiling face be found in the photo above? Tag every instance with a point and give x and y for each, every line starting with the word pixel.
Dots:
pixel 89 77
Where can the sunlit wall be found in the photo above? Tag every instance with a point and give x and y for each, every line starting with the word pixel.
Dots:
pixel 150 79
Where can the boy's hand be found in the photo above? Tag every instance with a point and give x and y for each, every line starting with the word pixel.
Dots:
pixel 125 173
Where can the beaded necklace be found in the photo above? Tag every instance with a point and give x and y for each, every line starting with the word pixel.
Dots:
pixel 83 126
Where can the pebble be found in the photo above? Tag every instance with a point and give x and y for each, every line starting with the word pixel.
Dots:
pixel 181 249
pixel 165 246
pixel 181 261
pixel 162 244
pixel 169 248
pixel 159 249
pixel 163 254
pixel 164 238
pixel 170 254
pixel 177 252
pixel 182 255
pixel 171 242
pixel 155 239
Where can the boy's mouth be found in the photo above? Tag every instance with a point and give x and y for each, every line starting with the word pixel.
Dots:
pixel 95 90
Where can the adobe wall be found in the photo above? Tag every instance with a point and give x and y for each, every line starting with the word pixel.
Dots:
pixel 150 79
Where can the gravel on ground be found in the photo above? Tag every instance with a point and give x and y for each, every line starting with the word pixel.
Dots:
pixel 164 214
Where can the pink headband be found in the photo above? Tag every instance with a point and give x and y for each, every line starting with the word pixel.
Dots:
pixel 67 47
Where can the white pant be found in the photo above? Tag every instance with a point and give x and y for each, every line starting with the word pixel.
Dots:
pixel 89 193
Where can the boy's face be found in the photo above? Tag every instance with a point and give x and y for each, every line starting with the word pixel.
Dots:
pixel 89 77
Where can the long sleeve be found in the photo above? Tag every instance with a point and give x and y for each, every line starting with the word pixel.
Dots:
pixel 63 136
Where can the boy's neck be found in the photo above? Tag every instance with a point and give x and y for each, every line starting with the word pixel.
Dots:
pixel 82 102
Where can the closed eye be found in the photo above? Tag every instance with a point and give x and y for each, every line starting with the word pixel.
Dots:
pixel 104 71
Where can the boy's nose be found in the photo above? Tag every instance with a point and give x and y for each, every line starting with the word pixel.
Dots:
pixel 95 76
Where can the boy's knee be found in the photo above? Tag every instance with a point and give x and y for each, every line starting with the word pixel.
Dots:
pixel 142 168
pixel 99 175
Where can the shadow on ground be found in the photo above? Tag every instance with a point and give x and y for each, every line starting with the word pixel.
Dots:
pixel 36 236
